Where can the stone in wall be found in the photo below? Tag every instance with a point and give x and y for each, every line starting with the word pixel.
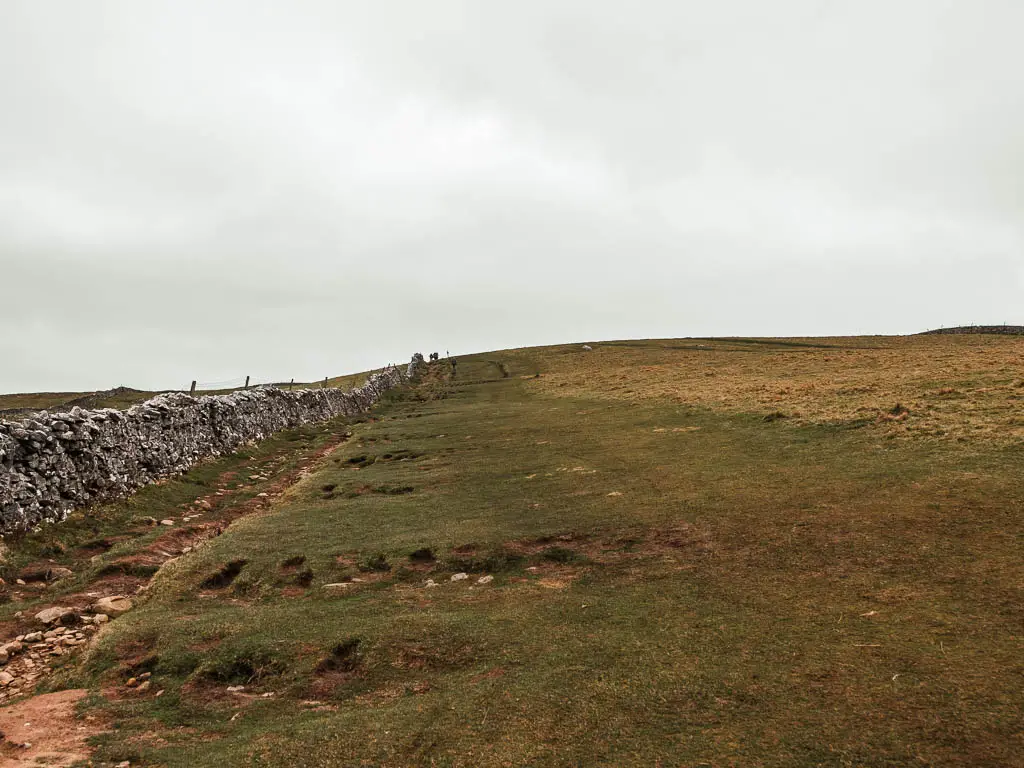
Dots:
pixel 416 362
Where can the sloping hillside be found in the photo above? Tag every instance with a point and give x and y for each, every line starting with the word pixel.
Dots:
pixel 693 552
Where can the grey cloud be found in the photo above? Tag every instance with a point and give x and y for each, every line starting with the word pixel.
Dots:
pixel 313 187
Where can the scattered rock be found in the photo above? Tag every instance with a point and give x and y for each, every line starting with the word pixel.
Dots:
pixel 485 579
pixel 338 585
pixel 56 573
pixel 100 618
pixel 53 615
pixel 13 647
pixel 34 637
pixel 167 522
pixel 430 583
pixel 459 576
pixel 6 678
pixel 143 687
pixel 112 606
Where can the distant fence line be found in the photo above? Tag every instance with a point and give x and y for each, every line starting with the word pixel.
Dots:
pixel 244 382
pixel 53 463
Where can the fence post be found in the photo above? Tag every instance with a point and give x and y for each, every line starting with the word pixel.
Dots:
pixel 246 382
pixel 324 385
pixel 291 385
pixel 193 390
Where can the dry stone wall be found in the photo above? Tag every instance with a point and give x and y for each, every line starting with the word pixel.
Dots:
pixel 53 463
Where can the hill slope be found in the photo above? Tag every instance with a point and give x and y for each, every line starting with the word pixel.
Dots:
pixel 733 552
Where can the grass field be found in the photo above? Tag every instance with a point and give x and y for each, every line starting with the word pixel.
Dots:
pixel 56 401
pixel 704 553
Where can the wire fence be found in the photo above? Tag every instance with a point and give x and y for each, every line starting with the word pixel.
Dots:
pixel 249 382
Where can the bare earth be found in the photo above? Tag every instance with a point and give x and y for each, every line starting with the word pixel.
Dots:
pixel 48 725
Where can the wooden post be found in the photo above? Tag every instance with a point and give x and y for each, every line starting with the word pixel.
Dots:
pixel 291 385
pixel 193 390
pixel 246 382
pixel 324 385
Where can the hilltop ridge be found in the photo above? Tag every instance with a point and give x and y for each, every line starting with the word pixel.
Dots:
pixel 1011 330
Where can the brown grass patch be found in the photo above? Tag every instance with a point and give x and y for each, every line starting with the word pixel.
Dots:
pixel 952 387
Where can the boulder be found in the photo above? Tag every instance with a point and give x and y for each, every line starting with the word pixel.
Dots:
pixel 111 606
pixel 54 615
pixel 57 572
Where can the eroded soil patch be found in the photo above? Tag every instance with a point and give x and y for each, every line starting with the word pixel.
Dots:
pixel 44 730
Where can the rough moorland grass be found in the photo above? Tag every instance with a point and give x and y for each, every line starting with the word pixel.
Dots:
pixel 57 401
pixel 673 585
pixel 970 389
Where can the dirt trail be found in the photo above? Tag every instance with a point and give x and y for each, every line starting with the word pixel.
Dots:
pixel 43 730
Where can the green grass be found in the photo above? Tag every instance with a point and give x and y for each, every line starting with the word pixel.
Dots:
pixel 105 540
pixel 17 405
pixel 733 593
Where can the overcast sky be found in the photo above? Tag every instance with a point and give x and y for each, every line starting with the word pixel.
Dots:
pixel 209 189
